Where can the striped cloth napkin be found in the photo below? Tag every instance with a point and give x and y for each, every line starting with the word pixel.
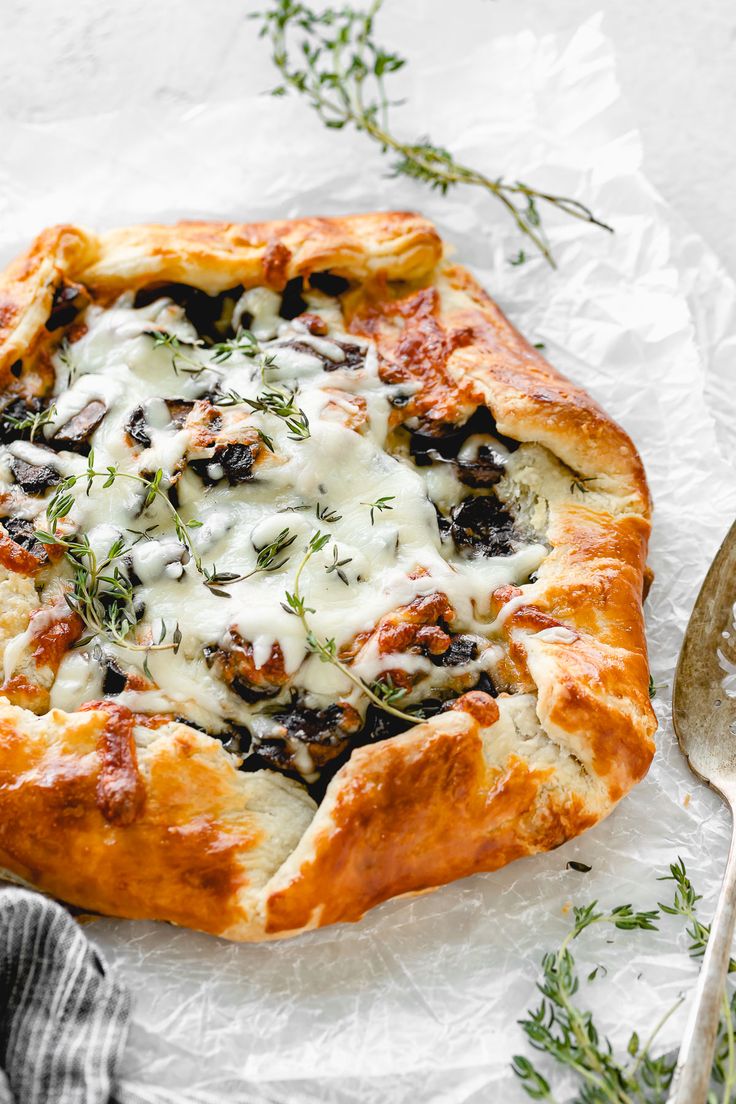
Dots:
pixel 63 1018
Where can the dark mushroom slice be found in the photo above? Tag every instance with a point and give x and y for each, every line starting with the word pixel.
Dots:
pixel 34 479
pixel 179 411
pixel 235 665
pixel 329 283
pixel 462 649
pixel 23 533
pixel 137 427
pixel 481 525
pixel 323 734
pixel 114 679
pixel 233 462
pixel 68 301
pixel 446 442
pixel 485 469
pixel 353 355
pixel 209 314
pixel 75 433
pixel 292 301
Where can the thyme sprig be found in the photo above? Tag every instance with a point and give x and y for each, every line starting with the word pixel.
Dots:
pixel 337 566
pixel 332 59
pixel 244 342
pixel 280 403
pixel 276 401
pixel 102 595
pixel 269 558
pixel 181 361
pixel 380 504
pixel 34 422
pixel 563 1031
pixel 295 604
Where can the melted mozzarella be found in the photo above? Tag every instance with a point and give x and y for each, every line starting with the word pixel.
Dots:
pixel 393 556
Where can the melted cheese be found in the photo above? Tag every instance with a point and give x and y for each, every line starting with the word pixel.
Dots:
pixel 393 556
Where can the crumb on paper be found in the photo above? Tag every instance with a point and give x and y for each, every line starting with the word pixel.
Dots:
pixel 686 800
pixel 566 907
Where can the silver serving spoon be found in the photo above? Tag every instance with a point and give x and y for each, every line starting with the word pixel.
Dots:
pixel 705 722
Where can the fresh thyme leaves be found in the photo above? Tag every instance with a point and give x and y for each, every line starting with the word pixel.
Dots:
pixel 337 566
pixel 581 484
pixel 380 504
pixel 560 1029
pixel 385 689
pixel 34 422
pixel 244 343
pixel 519 259
pixel 332 59
pixel 181 361
pixel 268 559
pixel 280 403
pixel 652 688
pixel 62 502
pixel 684 904
pixel 295 604
pixel 326 513
pixel 102 594
pixel 64 354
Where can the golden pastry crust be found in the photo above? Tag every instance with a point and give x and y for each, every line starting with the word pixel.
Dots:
pixel 84 796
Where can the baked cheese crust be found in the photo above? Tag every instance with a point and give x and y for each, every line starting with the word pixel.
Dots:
pixel 320 586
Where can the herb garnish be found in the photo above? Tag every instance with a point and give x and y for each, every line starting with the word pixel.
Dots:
pixel 278 402
pixel 337 566
pixel 579 483
pixel 332 59
pixel 564 1032
pixel 266 560
pixel 380 504
pixel 244 343
pixel 326 513
pixel 102 595
pixel 327 649
pixel 181 361
pixel 34 422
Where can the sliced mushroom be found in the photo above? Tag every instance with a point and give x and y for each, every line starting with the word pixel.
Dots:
pixel 462 649
pixel 137 427
pixel 34 479
pixel 481 524
pixel 233 462
pixel 75 433
pixel 23 533
pixel 304 739
pixel 67 302
pixel 236 666
pixel 209 314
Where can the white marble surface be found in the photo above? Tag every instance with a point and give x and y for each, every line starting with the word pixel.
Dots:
pixel 677 66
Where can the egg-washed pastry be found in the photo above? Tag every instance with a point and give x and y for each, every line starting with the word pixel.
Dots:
pixel 318 585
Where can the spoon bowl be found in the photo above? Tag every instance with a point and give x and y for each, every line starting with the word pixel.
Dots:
pixel 704 715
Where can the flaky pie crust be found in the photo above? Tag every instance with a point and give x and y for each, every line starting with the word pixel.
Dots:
pixel 244 855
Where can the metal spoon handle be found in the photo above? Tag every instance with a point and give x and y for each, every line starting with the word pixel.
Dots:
pixel 692 1075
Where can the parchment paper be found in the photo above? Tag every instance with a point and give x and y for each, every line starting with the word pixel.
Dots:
pixel 420 1000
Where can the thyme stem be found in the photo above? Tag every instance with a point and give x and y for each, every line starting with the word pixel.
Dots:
pixel 327 649
pixel 338 67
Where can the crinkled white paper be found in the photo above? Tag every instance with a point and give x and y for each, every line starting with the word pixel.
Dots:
pixel 420 1000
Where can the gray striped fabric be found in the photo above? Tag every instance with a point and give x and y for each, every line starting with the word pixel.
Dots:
pixel 63 1020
